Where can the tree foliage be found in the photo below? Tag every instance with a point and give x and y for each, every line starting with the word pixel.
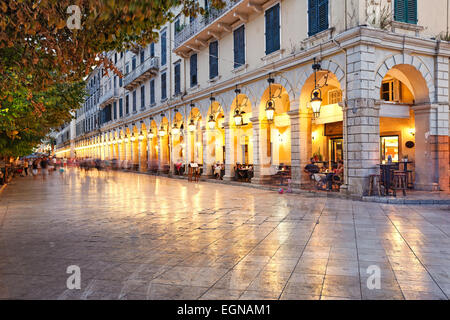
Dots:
pixel 38 51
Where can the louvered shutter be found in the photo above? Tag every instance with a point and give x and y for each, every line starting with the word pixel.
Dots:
pixel 313 17
pixel 213 59
pixel 273 29
pixel 193 70
pixel 323 15
pixel 400 10
pixel 239 47
pixel 412 11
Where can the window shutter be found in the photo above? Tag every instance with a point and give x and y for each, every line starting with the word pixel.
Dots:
pixel 239 47
pixel 163 49
pixel 273 29
pixel 400 10
pixel 313 17
pixel 213 59
pixel 412 11
pixel 193 70
pixel 177 79
pixel 323 15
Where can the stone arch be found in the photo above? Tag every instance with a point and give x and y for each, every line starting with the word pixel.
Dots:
pixel 286 84
pixel 327 65
pixel 421 93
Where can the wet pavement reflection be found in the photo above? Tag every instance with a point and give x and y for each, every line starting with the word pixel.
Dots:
pixel 136 236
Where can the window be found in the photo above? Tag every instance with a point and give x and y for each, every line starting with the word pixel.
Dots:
pixel 142 56
pixel 163 86
pixel 163 48
pixel 177 78
pixel 405 11
pixel 120 82
pixel 142 97
pixel 115 109
pixel 152 92
pixel 127 68
pixel 152 50
pixel 133 63
pixel 391 90
pixel 193 70
pixel 127 104
pixel 120 108
pixel 317 16
pixel 115 57
pixel 390 148
pixel 134 101
pixel 213 59
pixel 334 96
pixel 115 81
pixel 239 47
pixel 121 55
pixel 273 29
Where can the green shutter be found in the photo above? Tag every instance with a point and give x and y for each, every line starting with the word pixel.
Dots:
pixel 412 11
pixel 400 10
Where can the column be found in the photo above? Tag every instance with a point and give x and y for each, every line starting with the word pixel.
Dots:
pixel 296 169
pixel 362 127
pixel 207 159
pixel 261 158
pixel 229 154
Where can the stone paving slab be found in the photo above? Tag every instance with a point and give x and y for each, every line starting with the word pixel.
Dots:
pixel 145 237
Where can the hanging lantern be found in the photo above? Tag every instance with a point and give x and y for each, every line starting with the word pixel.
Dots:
pixel 151 135
pixel 211 122
pixel 141 136
pixel 133 138
pixel 175 129
pixel 238 118
pixel 162 132
pixel 191 126
pixel 270 109
pixel 316 102
pixel 316 94
pixel 126 139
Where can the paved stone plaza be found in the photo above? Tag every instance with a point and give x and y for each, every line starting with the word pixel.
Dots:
pixel 143 237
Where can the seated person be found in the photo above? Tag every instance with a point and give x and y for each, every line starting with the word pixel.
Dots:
pixel 335 175
pixel 311 168
pixel 218 170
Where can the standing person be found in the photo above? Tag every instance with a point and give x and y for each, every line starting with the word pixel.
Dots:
pixel 34 168
pixel 44 167
pixel 25 166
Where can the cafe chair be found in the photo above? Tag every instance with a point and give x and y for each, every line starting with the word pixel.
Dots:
pixel 400 182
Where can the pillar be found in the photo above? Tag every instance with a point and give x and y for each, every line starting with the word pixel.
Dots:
pixel 229 154
pixel 261 160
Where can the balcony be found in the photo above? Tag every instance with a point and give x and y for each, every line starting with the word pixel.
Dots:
pixel 149 68
pixel 195 35
pixel 110 96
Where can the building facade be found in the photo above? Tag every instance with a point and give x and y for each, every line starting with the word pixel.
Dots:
pixel 237 85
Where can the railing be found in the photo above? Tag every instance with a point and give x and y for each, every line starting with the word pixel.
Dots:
pixel 149 64
pixel 109 95
pixel 202 22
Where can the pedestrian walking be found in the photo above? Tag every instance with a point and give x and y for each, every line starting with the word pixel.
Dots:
pixel 44 167
pixel 34 168
pixel 25 167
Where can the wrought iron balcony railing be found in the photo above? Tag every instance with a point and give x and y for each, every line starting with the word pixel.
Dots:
pixel 142 72
pixel 109 96
pixel 202 22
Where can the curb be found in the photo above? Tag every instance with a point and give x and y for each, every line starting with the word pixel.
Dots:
pixel 311 194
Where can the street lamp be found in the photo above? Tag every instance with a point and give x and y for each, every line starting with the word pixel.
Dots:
pixel 162 131
pixel 191 126
pixel 211 122
pixel 316 94
pixel 270 105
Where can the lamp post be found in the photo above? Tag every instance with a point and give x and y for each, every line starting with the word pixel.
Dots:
pixel 316 94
